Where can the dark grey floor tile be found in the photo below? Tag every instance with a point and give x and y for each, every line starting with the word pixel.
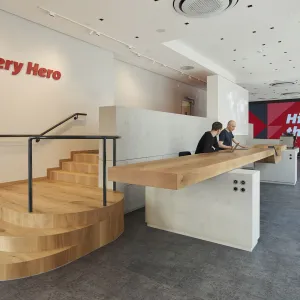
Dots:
pixel 146 263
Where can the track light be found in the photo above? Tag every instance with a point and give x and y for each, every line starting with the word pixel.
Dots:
pixel 130 47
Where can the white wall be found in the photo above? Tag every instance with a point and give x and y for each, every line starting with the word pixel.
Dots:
pixel 31 104
pixel 91 78
pixel 147 135
pixel 227 101
pixel 135 87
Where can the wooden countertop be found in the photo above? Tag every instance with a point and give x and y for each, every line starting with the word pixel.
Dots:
pixel 179 172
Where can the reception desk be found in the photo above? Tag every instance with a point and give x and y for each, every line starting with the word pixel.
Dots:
pixel 284 172
pixel 205 196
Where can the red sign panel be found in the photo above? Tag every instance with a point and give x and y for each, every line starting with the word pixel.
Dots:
pixel 283 117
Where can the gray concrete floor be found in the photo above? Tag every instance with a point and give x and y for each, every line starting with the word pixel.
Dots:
pixel 151 264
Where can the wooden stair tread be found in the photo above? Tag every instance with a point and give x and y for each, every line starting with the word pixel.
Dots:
pixel 11 230
pixel 13 258
pixel 79 163
pixel 56 197
pixel 75 173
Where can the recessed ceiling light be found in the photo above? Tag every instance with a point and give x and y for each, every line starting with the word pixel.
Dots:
pixel 265 55
pixel 186 23
pixel 285 52
pixel 137 37
pixel 222 39
pixel 264 44
pixel 272 28
pixel 160 30
pixel 270 63
pixel 290 60
pixel 234 50
pixel 234 60
pixel 101 20
pixel 186 68
pixel 249 6
pixel 254 31
pixel 279 41
pixel 243 67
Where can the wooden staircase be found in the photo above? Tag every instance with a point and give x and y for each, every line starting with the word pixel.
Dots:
pixel 68 220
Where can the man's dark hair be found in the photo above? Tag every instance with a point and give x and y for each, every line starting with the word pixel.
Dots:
pixel 216 126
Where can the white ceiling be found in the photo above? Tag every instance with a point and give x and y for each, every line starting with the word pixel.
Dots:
pixel 206 44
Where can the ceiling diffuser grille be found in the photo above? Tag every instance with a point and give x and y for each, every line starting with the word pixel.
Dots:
pixel 293 94
pixel 282 83
pixel 202 8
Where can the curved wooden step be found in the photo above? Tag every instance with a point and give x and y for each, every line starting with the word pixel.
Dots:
pixel 20 239
pixel 57 205
pixel 20 265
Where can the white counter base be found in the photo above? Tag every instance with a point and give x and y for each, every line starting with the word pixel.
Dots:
pixel 210 210
pixel 284 172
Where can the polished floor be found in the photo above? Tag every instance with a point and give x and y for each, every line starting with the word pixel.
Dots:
pixel 150 264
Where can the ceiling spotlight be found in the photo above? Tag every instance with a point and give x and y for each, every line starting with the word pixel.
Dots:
pixel 186 68
pixel 130 47
pixel 98 33
pixel 139 54
pixel 52 14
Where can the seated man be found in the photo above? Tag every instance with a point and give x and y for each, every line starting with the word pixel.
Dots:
pixel 226 137
pixel 208 142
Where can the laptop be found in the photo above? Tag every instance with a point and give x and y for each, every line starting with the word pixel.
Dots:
pixel 236 148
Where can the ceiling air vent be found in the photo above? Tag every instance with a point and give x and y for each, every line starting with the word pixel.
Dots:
pixel 203 8
pixel 282 83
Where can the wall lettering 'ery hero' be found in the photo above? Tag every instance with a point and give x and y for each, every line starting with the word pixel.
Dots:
pixel 34 69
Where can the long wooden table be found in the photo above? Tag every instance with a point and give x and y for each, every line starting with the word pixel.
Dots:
pixel 177 173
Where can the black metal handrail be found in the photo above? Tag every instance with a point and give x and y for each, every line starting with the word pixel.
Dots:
pixel 74 116
pixel 68 137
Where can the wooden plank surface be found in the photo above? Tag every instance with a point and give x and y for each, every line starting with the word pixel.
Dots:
pixel 177 173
